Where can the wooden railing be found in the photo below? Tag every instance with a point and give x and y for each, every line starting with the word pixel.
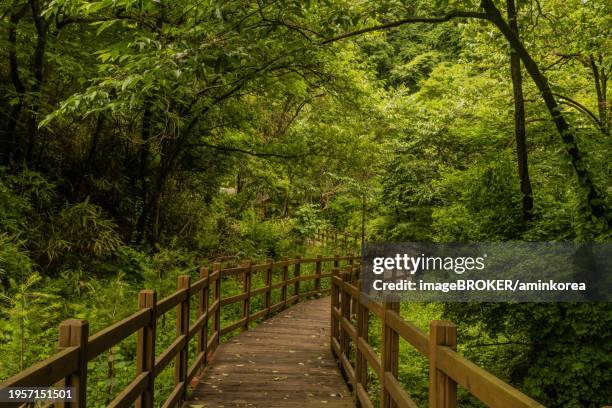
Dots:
pixel 68 366
pixel 350 314
pixel 337 238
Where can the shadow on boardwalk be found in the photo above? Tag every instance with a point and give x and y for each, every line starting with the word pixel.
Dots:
pixel 283 362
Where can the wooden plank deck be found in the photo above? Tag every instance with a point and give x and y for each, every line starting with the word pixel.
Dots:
pixel 283 362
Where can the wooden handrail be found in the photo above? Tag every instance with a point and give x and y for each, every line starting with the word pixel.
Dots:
pixel 108 337
pixel 339 239
pixel 70 363
pixel 50 370
pixel 447 368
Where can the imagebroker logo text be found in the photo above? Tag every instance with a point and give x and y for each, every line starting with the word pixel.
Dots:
pixel 502 285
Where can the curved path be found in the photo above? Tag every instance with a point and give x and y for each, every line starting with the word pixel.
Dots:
pixel 285 361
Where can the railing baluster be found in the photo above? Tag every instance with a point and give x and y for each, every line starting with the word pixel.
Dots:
pixel 335 303
pixel 297 270
pixel 390 354
pixel 268 280
pixel 345 310
pixel 285 278
pixel 442 389
pixel 202 309
pixel 182 329
pixel 318 274
pixel 361 365
pixel 145 348
pixel 217 301
pixel 75 332
pixel 353 278
pixel 246 288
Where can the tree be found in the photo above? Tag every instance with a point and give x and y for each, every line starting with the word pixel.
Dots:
pixel 594 202
pixel 519 117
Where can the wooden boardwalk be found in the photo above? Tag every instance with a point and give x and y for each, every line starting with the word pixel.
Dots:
pixel 283 362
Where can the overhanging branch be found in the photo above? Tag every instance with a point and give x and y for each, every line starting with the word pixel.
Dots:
pixel 255 154
pixel 409 20
pixel 570 102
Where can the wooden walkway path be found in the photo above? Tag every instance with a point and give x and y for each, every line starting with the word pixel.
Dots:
pixel 283 362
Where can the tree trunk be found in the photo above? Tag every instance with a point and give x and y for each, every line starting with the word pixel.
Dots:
pixel 10 142
pixel 519 119
pixel 594 203
pixel 600 79
pixel 155 228
pixel 363 219
pixel 91 155
pixel 37 68
pixel 151 210
pixel 143 167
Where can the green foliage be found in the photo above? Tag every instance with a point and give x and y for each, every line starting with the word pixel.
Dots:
pixel 484 205
pixel 15 262
pixel 82 229
pixel 142 139
pixel 30 310
pixel 22 195
pixel 267 238
pixel 308 220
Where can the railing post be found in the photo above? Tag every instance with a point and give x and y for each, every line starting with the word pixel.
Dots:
pixel 345 310
pixel 145 348
pixel 182 329
pixel 361 366
pixel 318 274
pixel 335 304
pixel 246 287
pixel 390 354
pixel 285 278
pixel 268 280
pixel 297 270
pixel 336 261
pixel 442 389
pixel 74 332
pixel 354 277
pixel 217 301
pixel 203 309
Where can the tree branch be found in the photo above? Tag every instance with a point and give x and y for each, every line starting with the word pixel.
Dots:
pixel 254 154
pixel 568 101
pixel 409 20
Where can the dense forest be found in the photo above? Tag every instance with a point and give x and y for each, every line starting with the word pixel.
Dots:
pixel 139 139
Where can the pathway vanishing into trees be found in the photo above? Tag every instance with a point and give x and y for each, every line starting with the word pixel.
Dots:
pixel 283 362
